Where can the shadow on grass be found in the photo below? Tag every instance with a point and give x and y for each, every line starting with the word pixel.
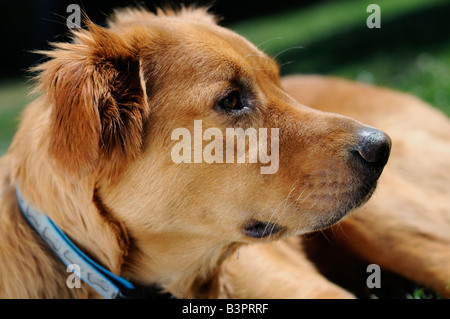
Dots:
pixel 344 268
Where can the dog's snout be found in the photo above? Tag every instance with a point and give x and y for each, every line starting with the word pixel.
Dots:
pixel 373 147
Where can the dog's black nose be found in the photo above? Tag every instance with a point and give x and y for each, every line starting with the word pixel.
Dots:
pixel 373 147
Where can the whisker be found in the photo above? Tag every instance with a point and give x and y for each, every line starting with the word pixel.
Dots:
pixel 299 203
pixel 322 231
pixel 286 63
pixel 255 55
pixel 285 50
pixel 264 42
pixel 305 214
pixel 286 208
pixel 276 209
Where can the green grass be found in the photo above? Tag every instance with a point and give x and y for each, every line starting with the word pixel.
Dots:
pixel 411 51
pixel 422 293
pixel 319 21
pixel 13 98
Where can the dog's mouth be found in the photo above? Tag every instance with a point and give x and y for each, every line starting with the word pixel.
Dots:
pixel 322 219
pixel 360 198
pixel 259 229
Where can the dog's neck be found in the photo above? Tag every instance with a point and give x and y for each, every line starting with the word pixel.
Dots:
pixel 182 265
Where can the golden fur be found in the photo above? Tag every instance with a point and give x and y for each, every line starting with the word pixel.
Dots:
pixel 93 152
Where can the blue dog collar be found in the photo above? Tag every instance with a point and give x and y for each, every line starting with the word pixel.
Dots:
pixel 102 280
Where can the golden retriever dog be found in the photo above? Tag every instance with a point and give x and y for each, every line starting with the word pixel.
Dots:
pixel 94 156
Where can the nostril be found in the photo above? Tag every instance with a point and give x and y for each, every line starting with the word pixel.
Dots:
pixel 374 146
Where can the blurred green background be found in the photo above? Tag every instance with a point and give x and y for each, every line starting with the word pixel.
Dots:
pixel 410 53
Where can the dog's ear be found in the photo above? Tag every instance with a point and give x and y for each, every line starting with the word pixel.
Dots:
pixel 96 89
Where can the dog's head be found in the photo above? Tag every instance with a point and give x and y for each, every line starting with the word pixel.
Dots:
pixel 144 106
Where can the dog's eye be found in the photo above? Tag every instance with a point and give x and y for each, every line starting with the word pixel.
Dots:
pixel 231 102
